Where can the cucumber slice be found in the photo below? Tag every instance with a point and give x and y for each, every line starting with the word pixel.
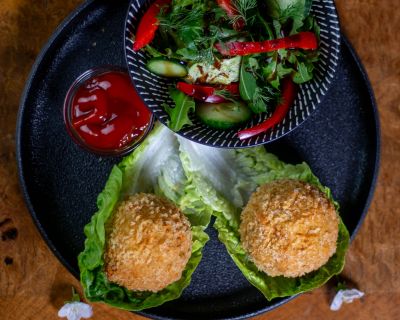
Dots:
pixel 224 115
pixel 167 67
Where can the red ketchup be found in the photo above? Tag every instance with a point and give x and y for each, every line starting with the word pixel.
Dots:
pixel 107 113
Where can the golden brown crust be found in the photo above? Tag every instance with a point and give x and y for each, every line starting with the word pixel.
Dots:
pixel 149 243
pixel 289 228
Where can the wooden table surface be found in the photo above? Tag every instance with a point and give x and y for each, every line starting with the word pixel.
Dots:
pixel 34 284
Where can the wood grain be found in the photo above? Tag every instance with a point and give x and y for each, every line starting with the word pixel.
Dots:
pixel 33 284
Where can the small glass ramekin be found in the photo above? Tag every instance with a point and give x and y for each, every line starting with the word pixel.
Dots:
pixel 68 108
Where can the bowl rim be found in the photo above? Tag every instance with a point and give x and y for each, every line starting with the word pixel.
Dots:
pixel 279 130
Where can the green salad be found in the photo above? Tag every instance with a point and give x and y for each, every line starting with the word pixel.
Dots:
pixel 230 59
pixel 195 179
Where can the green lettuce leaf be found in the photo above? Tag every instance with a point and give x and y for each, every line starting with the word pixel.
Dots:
pixel 243 170
pixel 153 167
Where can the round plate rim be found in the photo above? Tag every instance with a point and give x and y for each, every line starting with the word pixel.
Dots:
pixel 27 198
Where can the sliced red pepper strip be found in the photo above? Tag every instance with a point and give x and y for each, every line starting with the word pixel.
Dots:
pixel 303 40
pixel 148 25
pixel 231 11
pixel 207 93
pixel 289 90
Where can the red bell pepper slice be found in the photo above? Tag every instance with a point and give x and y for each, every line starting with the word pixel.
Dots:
pixel 207 94
pixel 304 40
pixel 231 11
pixel 148 25
pixel 289 90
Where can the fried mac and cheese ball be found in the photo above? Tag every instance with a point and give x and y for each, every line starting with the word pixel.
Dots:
pixel 289 228
pixel 149 242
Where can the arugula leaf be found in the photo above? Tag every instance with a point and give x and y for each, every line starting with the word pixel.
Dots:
pixel 247 81
pixel 153 51
pixel 264 28
pixel 307 7
pixel 288 14
pixel 283 53
pixel 277 28
pixel 275 83
pixel 168 53
pixel 179 114
pixel 292 58
pixel 296 25
pixel 310 24
pixel 252 88
pixel 278 9
pixel 253 63
pixel 188 53
pixel 248 88
pixel 270 68
pixel 283 71
pixel 303 74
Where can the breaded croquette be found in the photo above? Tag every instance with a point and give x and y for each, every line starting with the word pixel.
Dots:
pixel 289 228
pixel 149 242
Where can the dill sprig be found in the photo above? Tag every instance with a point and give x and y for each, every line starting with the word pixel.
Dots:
pixel 264 97
pixel 185 24
pixel 265 94
pixel 243 8
pixel 181 18
pixel 226 95
pixel 205 55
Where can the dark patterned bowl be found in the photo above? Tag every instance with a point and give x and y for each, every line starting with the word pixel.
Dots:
pixel 154 89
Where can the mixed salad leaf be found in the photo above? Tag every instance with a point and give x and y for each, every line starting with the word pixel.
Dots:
pixel 278 39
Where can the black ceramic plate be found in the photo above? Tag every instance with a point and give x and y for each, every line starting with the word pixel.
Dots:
pixel 154 89
pixel 60 181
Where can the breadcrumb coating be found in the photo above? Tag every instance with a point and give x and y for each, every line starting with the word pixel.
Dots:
pixel 289 228
pixel 149 242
